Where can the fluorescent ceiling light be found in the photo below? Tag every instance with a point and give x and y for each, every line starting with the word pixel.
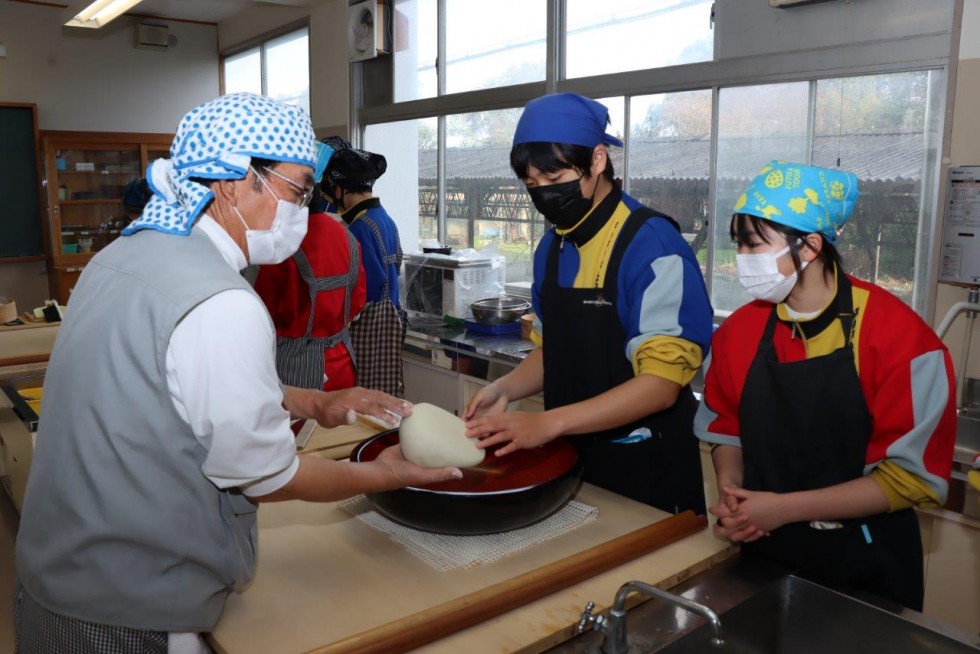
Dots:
pixel 98 13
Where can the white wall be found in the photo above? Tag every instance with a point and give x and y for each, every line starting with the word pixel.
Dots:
pixel 84 80
pixel 96 80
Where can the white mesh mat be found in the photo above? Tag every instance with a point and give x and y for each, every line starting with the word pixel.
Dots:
pixel 444 552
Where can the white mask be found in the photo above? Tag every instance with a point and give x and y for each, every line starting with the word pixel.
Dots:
pixel 282 239
pixel 760 277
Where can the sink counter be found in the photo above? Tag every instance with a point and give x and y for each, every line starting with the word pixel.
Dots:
pixel 654 625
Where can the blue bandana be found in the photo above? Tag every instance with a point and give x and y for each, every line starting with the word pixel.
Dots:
pixel 564 118
pixel 807 198
pixel 217 140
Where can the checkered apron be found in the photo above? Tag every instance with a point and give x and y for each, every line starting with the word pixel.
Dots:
pixel 39 631
pixel 300 361
pixel 379 333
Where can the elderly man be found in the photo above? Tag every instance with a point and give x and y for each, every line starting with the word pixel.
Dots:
pixel 164 420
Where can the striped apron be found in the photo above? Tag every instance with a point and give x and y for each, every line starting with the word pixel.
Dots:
pixel 379 332
pixel 300 361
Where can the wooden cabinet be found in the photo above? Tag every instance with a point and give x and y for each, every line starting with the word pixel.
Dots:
pixel 951 544
pixel 85 174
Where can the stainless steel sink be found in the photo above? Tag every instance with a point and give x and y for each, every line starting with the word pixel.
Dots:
pixel 795 616
pixel 967 437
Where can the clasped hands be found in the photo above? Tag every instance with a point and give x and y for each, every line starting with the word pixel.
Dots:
pixel 745 516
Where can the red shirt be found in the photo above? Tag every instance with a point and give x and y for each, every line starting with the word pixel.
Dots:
pixel 287 296
pixel 905 372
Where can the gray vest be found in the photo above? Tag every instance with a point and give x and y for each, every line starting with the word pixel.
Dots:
pixel 120 526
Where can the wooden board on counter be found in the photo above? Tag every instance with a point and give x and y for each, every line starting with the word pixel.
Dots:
pixel 25 344
pixel 337 442
pixel 326 580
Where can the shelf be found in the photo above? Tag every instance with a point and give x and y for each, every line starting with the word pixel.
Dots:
pixel 99 173
pixel 80 258
pixel 104 201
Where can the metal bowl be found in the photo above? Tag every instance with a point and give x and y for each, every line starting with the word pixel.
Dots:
pixel 500 494
pixel 499 310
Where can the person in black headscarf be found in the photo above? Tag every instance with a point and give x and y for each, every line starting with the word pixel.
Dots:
pixel 377 335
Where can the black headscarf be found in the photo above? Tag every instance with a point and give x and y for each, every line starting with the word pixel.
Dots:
pixel 352 169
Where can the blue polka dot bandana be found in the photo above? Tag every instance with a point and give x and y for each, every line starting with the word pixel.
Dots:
pixel 217 140
pixel 807 198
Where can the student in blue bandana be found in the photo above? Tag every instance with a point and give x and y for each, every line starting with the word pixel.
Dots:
pixel 623 320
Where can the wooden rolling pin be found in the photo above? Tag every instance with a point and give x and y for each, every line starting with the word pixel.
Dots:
pixel 444 619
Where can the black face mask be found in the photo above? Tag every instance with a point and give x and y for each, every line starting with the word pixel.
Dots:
pixel 561 204
pixel 335 199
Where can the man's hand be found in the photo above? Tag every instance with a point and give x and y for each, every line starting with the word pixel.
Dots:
pixel 405 473
pixel 334 408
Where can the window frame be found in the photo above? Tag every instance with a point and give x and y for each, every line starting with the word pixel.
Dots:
pixel 261 43
pixel 908 53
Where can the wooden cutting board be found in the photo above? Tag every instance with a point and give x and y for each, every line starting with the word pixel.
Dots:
pixel 327 582
pixel 337 442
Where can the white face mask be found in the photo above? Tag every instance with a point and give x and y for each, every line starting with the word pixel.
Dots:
pixel 760 277
pixel 279 242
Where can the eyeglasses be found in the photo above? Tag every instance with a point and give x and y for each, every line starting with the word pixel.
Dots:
pixel 305 193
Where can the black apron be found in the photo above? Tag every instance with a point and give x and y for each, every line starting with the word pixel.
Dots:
pixel 585 356
pixel 805 425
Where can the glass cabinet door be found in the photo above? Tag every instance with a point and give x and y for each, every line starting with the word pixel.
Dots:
pixel 90 185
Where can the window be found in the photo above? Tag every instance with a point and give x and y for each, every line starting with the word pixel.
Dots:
pixel 493 44
pixel 700 108
pixel 636 34
pixel 488 45
pixel 874 126
pixel 278 68
pixel 416 49
pixel 484 201
pixel 670 160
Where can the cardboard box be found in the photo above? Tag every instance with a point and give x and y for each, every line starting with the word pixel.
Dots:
pixel 8 310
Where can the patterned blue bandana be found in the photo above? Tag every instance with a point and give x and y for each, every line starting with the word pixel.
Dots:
pixel 217 140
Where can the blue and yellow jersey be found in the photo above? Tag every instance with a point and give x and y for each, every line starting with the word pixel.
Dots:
pixel 662 300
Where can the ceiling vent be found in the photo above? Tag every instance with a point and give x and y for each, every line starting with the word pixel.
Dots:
pixel 366 30
pixel 151 36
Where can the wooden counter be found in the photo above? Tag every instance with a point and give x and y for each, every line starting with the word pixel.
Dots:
pixel 26 344
pixel 327 582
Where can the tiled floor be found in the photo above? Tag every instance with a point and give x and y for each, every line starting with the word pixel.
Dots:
pixel 8 533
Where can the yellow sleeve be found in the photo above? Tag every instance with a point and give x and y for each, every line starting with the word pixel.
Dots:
pixel 674 359
pixel 902 488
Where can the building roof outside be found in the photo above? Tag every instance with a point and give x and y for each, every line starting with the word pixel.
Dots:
pixel 880 157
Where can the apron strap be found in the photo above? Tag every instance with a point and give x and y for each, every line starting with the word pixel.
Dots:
pixel 634 222
pixel 387 259
pixel 844 306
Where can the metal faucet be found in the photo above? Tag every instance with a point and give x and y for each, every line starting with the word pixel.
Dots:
pixel 613 627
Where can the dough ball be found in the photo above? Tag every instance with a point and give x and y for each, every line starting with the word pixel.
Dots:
pixel 435 438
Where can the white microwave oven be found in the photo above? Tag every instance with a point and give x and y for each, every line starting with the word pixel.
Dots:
pixel 441 285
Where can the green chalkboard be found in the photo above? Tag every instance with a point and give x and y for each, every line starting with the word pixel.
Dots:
pixel 20 203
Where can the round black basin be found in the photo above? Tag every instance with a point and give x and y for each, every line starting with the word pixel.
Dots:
pixel 500 494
